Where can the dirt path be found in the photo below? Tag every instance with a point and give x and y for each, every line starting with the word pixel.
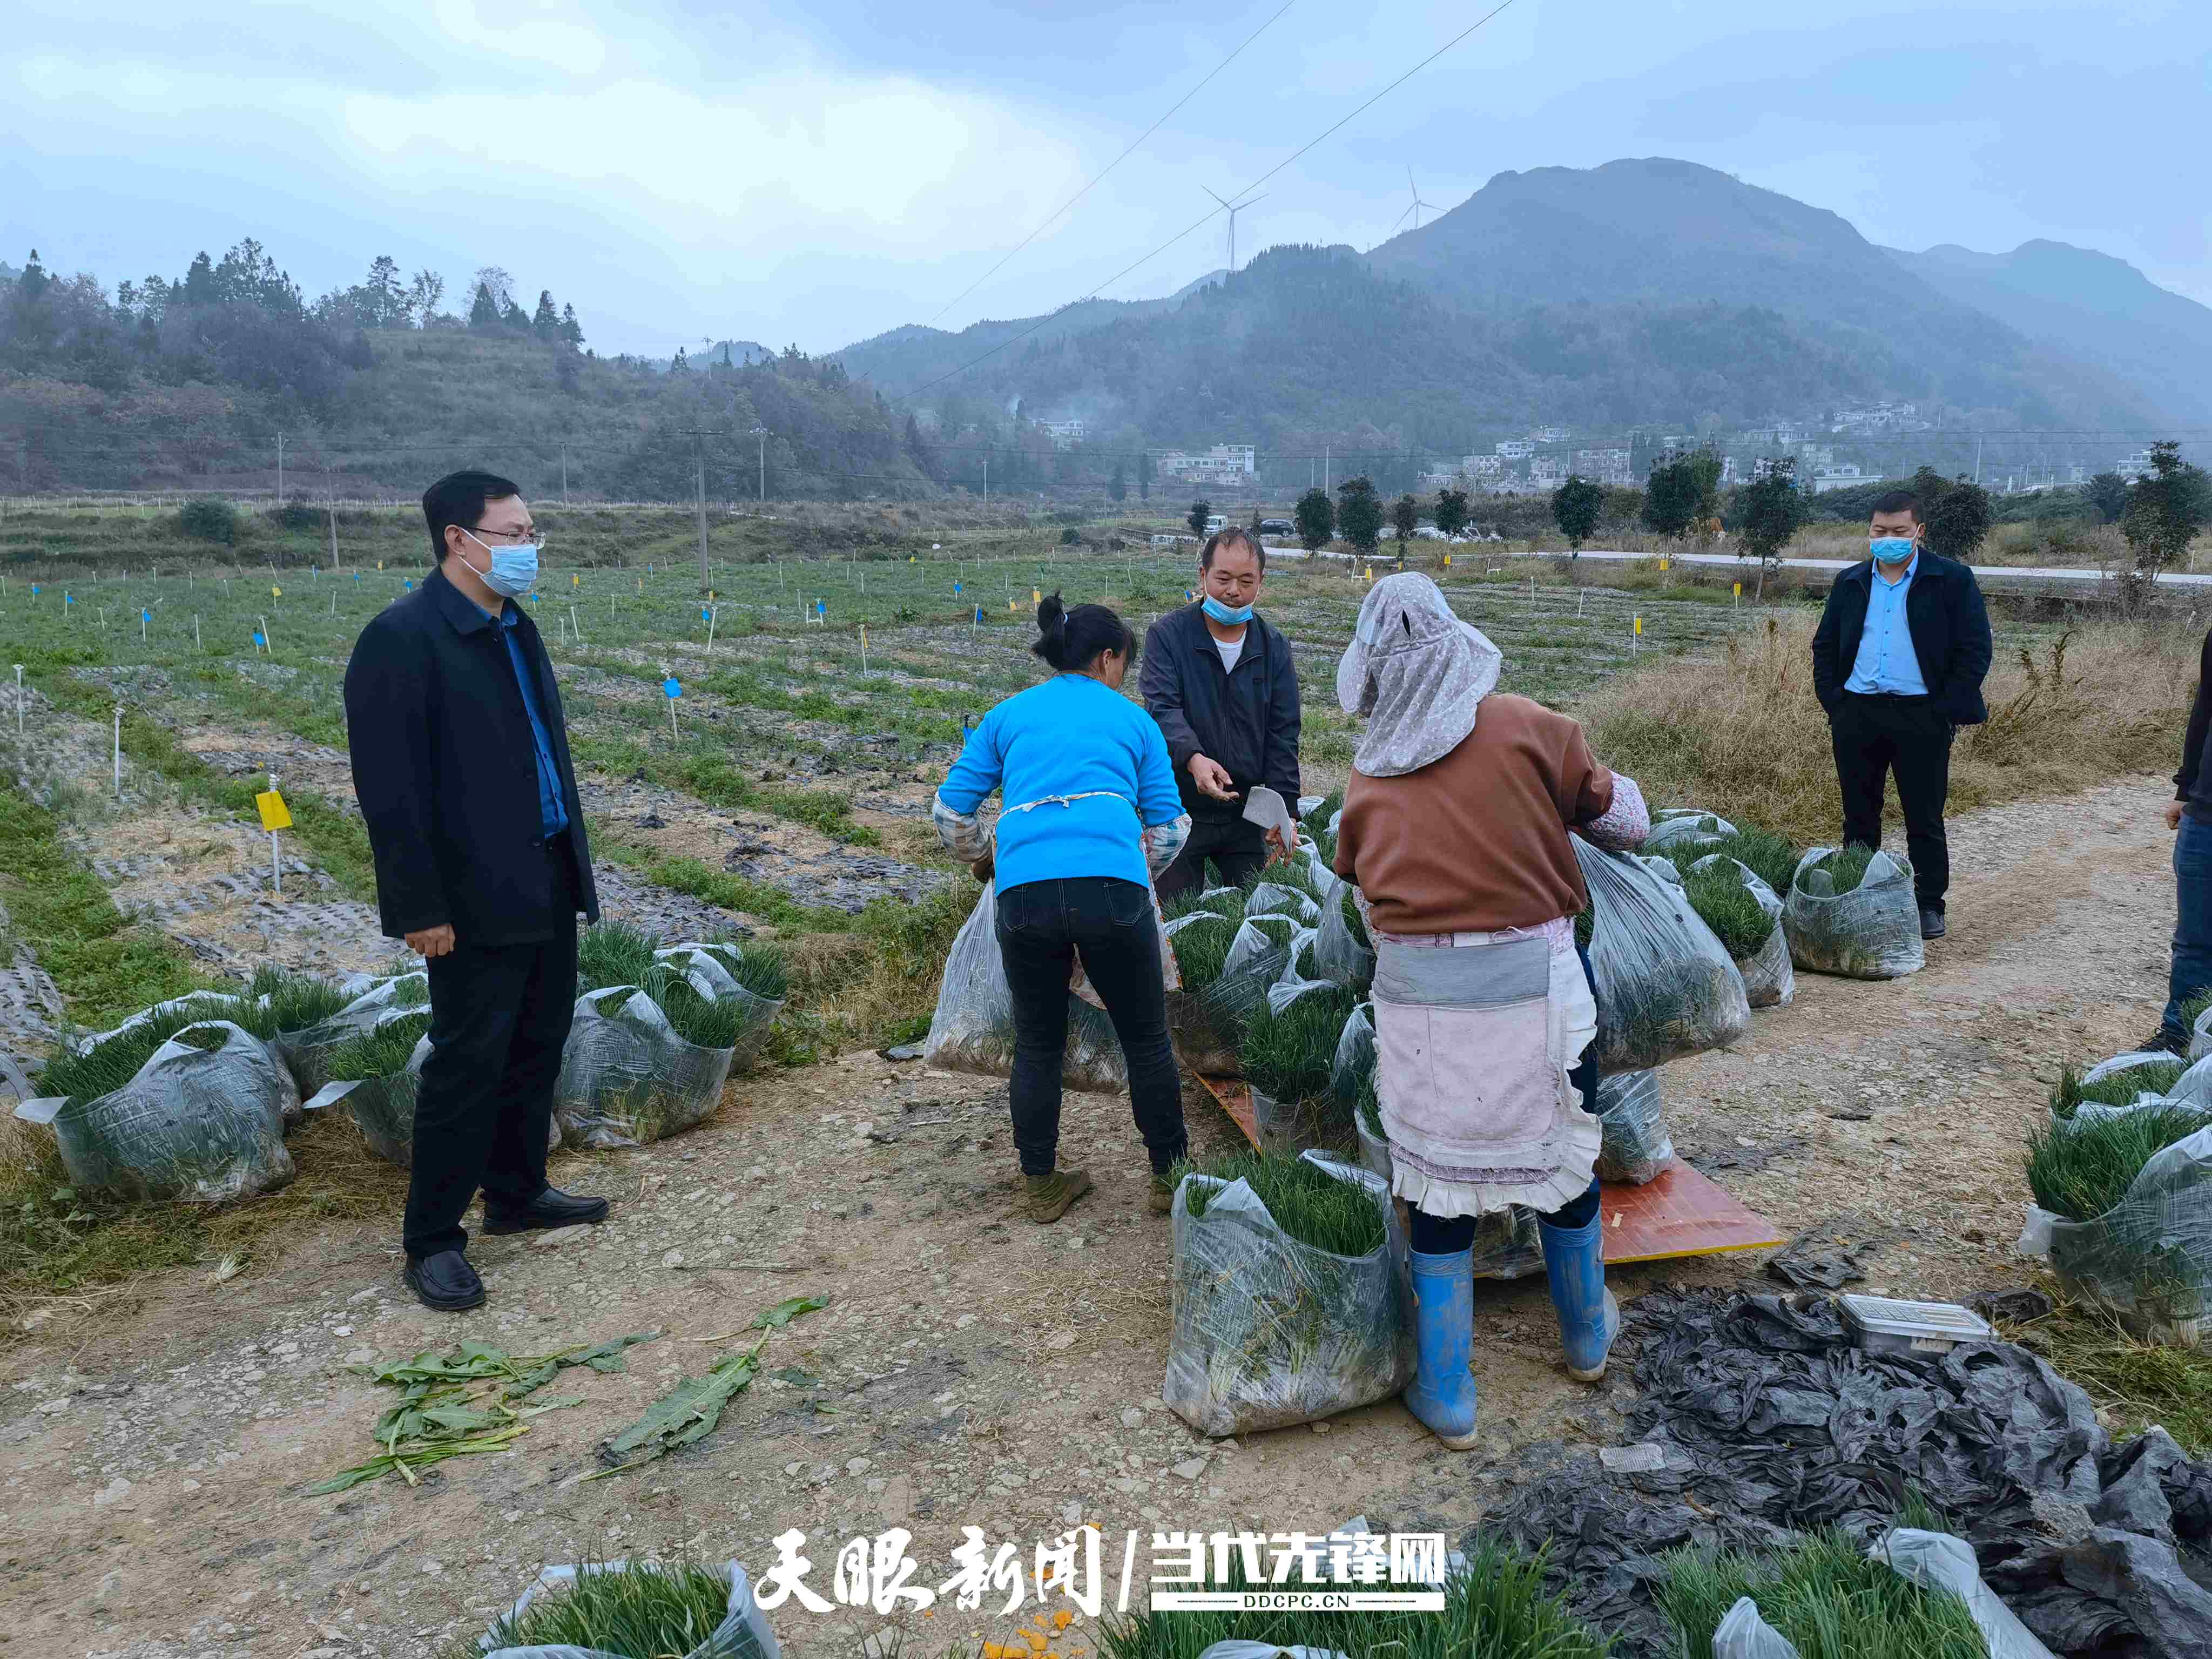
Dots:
pixel 972 1369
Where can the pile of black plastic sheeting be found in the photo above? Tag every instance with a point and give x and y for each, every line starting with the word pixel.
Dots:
pixel 1767 1422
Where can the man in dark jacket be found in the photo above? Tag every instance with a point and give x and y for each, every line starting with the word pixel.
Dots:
pixel 460 762
pixel 1898 662
pixel 2189 815
pixel 1219 680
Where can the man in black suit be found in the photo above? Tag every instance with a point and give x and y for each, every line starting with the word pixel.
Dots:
pixel 1898 662
pixel 460 762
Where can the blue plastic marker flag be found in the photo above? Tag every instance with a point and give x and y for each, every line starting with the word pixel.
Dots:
pixel 955 590
pixel 671 688
pixel 258 640
pixel 821 609
pixel 409 583
pixel 69 598
pixel 1188 595
pixel 356 575
pixel 705 613
pixel 146 616
pixel 34 590
pixel 979 616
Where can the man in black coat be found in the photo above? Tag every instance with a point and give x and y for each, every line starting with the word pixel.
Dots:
pixel 1218 679
pixel 1898 662
pixel 460 762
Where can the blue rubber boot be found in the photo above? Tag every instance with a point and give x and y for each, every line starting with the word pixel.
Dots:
pixel 1443 1395
pixel 1589 1316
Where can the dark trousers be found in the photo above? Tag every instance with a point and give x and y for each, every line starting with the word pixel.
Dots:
pixel 2192 923
pixel 499 1016
pixel 1236 848
pixel 1041 925
pixel 1448 1235
pixel 1875 737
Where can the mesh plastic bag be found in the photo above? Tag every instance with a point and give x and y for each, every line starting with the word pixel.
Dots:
pixel 198 1126
pixel 2200 1035
pixel 744 1633
pixel 1284 1128
pixel 383 1107
pixel 1295 981
pixel 2127 1063
pixel 1273 898
pixel 1355 1056
pixel 1258 957
pixel 1637 1145
pixel 1686 826
pixel 1769 981
pixel 973 1028
pixel 207 1005
pixel 309 1052
pixel 627 1078
pixel 1870 932
pixel 1342 952
pixel 1742 1634
pixel 1268 1332
pixel 1939 1559
pixel 1665 986
pixel 2149 1257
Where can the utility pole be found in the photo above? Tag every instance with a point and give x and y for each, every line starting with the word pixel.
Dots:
pixel 987 477
pixel 761 433
pixel 1977 460
pixel 706 580
pixel 280 468
pixel 564 475
pixel 1324 469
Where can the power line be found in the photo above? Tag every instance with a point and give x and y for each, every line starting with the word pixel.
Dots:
pixel 1247 190
pixel 1108 168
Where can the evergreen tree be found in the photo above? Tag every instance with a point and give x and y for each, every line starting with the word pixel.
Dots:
pixel 515 317
pixel 571 330
pixel 1451 511
pixel 1117 486
pixel 1144 474
pixel 917 448
pixel 1359 513
pixel 679 364
pixel 1196 518
pixel 1955 514
pixel 34 280
pixel 1405 517
pixel 2166 506
pixel 1769 511
pixel 1575 506
pixel 1316 519
pixel 483 313
pixel 545 322
pixel 2107 492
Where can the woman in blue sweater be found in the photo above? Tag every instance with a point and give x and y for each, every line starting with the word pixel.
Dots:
pixel 1091 816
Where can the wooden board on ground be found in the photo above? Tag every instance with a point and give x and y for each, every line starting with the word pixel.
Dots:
pixel 1680 1213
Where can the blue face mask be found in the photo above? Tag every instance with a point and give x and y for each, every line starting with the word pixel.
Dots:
pixel 1222 614
pixel 1891 549
pixel 513 570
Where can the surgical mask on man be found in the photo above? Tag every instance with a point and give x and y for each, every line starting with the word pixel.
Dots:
pixel 1226 615
pixel 513 570
pixel 1891 549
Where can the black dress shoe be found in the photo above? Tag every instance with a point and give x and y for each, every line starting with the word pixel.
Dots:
pixel 1931 922
pixel 550 1208
pixel 445 1281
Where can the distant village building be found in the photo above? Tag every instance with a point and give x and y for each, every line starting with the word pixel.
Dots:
pixel 1874 417
pixel 1515 449
pixel 1841 475
pixel 1063 433
pixel 2135 466
pixel 1728 469
pixel 1479 473
pixel 1232 464
pixel 1547 469
pixel 1609 467
pixel 1548 434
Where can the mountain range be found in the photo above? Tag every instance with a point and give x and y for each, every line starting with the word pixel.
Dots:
pixel 1640 291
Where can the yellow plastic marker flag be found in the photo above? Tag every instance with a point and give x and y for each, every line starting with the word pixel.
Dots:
pixel 710 596
pixel 1639 628
pixel 1739 590
pixel 1010 602
pixel 1036 597
pixel 640 584
pixel 379 564
pixel 275 815
pixel 1447 561
pixel 275 592
pixel 1662 561
pixel 575 581
pixel 1370 572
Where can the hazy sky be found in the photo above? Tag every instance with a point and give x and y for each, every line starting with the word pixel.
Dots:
pixel 816 174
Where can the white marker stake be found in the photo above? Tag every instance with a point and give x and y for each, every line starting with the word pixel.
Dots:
pixel 119 751
pixel 18 700
pixel 576 627
pixel 1581 594
pixel 711 610
pixel 671 717
pixel 276 867
pixel 196 632
pixel 268 639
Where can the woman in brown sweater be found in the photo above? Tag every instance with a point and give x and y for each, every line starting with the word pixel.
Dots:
pixel 1454 831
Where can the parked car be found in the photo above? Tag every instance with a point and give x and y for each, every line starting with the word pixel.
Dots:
pixel 1278 527
pixel 1215 523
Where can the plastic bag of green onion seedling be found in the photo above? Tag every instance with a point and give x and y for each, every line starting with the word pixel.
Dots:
pixel 307 1046
pixel 1666 986
pixel 2126 1226
pixel 630 1075
pixel 1746 915
pixel 1853 913
pixel 641 1610
pixel 1677 827
pixel 1291 1301
pixel 201 1121
pixel 973 1028
pixel 1637 1145
pixel 1342 950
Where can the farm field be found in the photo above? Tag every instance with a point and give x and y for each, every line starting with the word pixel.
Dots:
pixel 185 1379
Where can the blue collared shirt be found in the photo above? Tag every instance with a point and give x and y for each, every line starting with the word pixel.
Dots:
pixel 552 807
pixel 1886 661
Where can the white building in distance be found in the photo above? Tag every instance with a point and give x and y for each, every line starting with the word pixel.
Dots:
pixel 1223 463
pixel 1515 449
pixel 1063 433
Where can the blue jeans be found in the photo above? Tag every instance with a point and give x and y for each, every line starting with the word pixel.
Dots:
pixel 2192 922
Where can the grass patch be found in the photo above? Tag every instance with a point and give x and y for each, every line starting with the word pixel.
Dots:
pixel 1725 904
pixel 1825 1596
pixel 1289 1056
pixel 1313 1207
pixel 1498 1609
pixel 103 966
pixel 2137 1383
pixel 2120 1089
pixel 1738 731
pixel 2079 1169
pixel 641 1611
pixel 703 769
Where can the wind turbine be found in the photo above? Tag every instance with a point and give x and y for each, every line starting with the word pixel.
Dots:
pixel 1414 211
pixel 1234 208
